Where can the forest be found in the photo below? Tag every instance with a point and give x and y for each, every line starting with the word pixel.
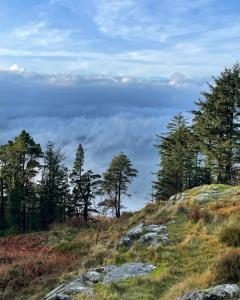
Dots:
pixel 37 189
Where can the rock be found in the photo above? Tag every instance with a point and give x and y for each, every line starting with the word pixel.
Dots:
pixel 93 276
pixel 151 238
pixel 131 235
pixel 63 297
pixel 225 291
pixel 86 282
pixel 146 234
pixel 126 241
pixel 117 273
pixel 64 291
pixel 177 197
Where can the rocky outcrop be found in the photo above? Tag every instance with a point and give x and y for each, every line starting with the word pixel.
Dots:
pixel 219 292
pixel 204 193
pixel 85 283
pixel 150 235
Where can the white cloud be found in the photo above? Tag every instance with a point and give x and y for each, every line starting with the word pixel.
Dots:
pixel 40 34
pixel 16 69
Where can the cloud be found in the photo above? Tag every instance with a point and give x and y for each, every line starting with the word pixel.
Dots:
pixel 106 114
pixel 16 69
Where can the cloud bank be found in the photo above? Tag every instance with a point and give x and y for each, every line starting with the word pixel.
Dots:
pixel 106 114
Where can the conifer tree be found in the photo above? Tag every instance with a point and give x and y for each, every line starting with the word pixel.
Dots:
pixel 180 164
pixel 217 124
pixel 86 186
pixel 54 187
pixel 20 165
pixel 117 179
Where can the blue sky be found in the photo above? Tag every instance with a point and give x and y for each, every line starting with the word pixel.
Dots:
pixel 150 38
pixel 109 73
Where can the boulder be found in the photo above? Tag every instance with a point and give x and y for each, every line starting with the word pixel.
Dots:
pixel 93 276
pixel 116 273
pixel 219 292
pixel 131 235
pixel 146 234
pixel 177 197
pixel 105 275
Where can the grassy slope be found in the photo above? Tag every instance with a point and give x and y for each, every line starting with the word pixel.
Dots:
pixel 182 266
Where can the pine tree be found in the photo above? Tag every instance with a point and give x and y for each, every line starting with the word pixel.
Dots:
pixel 20 165
pixel 180 163
pixel 54 188
pixel 86 186
pixel 117 179
pixel 217 124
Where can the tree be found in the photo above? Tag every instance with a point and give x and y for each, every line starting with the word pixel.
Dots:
pixel 217 124
pixel 180 162
pixel 54 187
pixel 19 166
pixel 86 186
pixel 117 179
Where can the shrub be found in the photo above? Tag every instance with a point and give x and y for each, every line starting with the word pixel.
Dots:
pixel 76 247
pixel 181 208
pixel 227 267
pixel 230 233
pixel 206 216
pixel 230 236
pixel 195 214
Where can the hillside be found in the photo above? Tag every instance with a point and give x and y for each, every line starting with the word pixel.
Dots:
pixel 195 247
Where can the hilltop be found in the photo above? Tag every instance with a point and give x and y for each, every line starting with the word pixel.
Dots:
pixel 194 245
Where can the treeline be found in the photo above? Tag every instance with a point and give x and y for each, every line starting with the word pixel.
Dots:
pixel 37 189
pixel 207 150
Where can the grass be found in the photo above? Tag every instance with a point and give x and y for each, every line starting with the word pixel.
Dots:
pixel 66 251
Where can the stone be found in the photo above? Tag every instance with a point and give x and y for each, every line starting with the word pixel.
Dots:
pixel 151 235
pixel 116 273
pixel 106 275
pixel 93 276
pixel 131 235
pixel 177 197
pixel 219 292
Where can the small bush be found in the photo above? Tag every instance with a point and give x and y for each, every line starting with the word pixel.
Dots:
pixel 195 214
pixel 206 216
pixel 76 247
pixel 227 268
pixel 181 208
pixel 230 233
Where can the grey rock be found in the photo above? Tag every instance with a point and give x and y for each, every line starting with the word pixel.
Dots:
pixel 219 292
pixel 62 297
pixel 177 197
pixel 151 238
pixel 126 241
pixel 146 234
pixel 116 273
pixel 108 274
pixel 93 276
pixel 131 235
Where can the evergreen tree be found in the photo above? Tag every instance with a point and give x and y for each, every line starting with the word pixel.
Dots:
pixel 180 163
pixel 217 124
pixel 19 166
pixel 86 186
pixel 54 187
pixel 117 179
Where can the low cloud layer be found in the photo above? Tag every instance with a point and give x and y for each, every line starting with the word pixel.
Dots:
pixel 106 114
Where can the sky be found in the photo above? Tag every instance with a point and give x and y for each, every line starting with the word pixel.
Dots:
pixel 109 74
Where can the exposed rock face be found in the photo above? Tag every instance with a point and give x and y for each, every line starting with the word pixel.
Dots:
pixel 219 292
pixel 178 197
pixel 146 234
pixel 86 282
pixel 204 193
